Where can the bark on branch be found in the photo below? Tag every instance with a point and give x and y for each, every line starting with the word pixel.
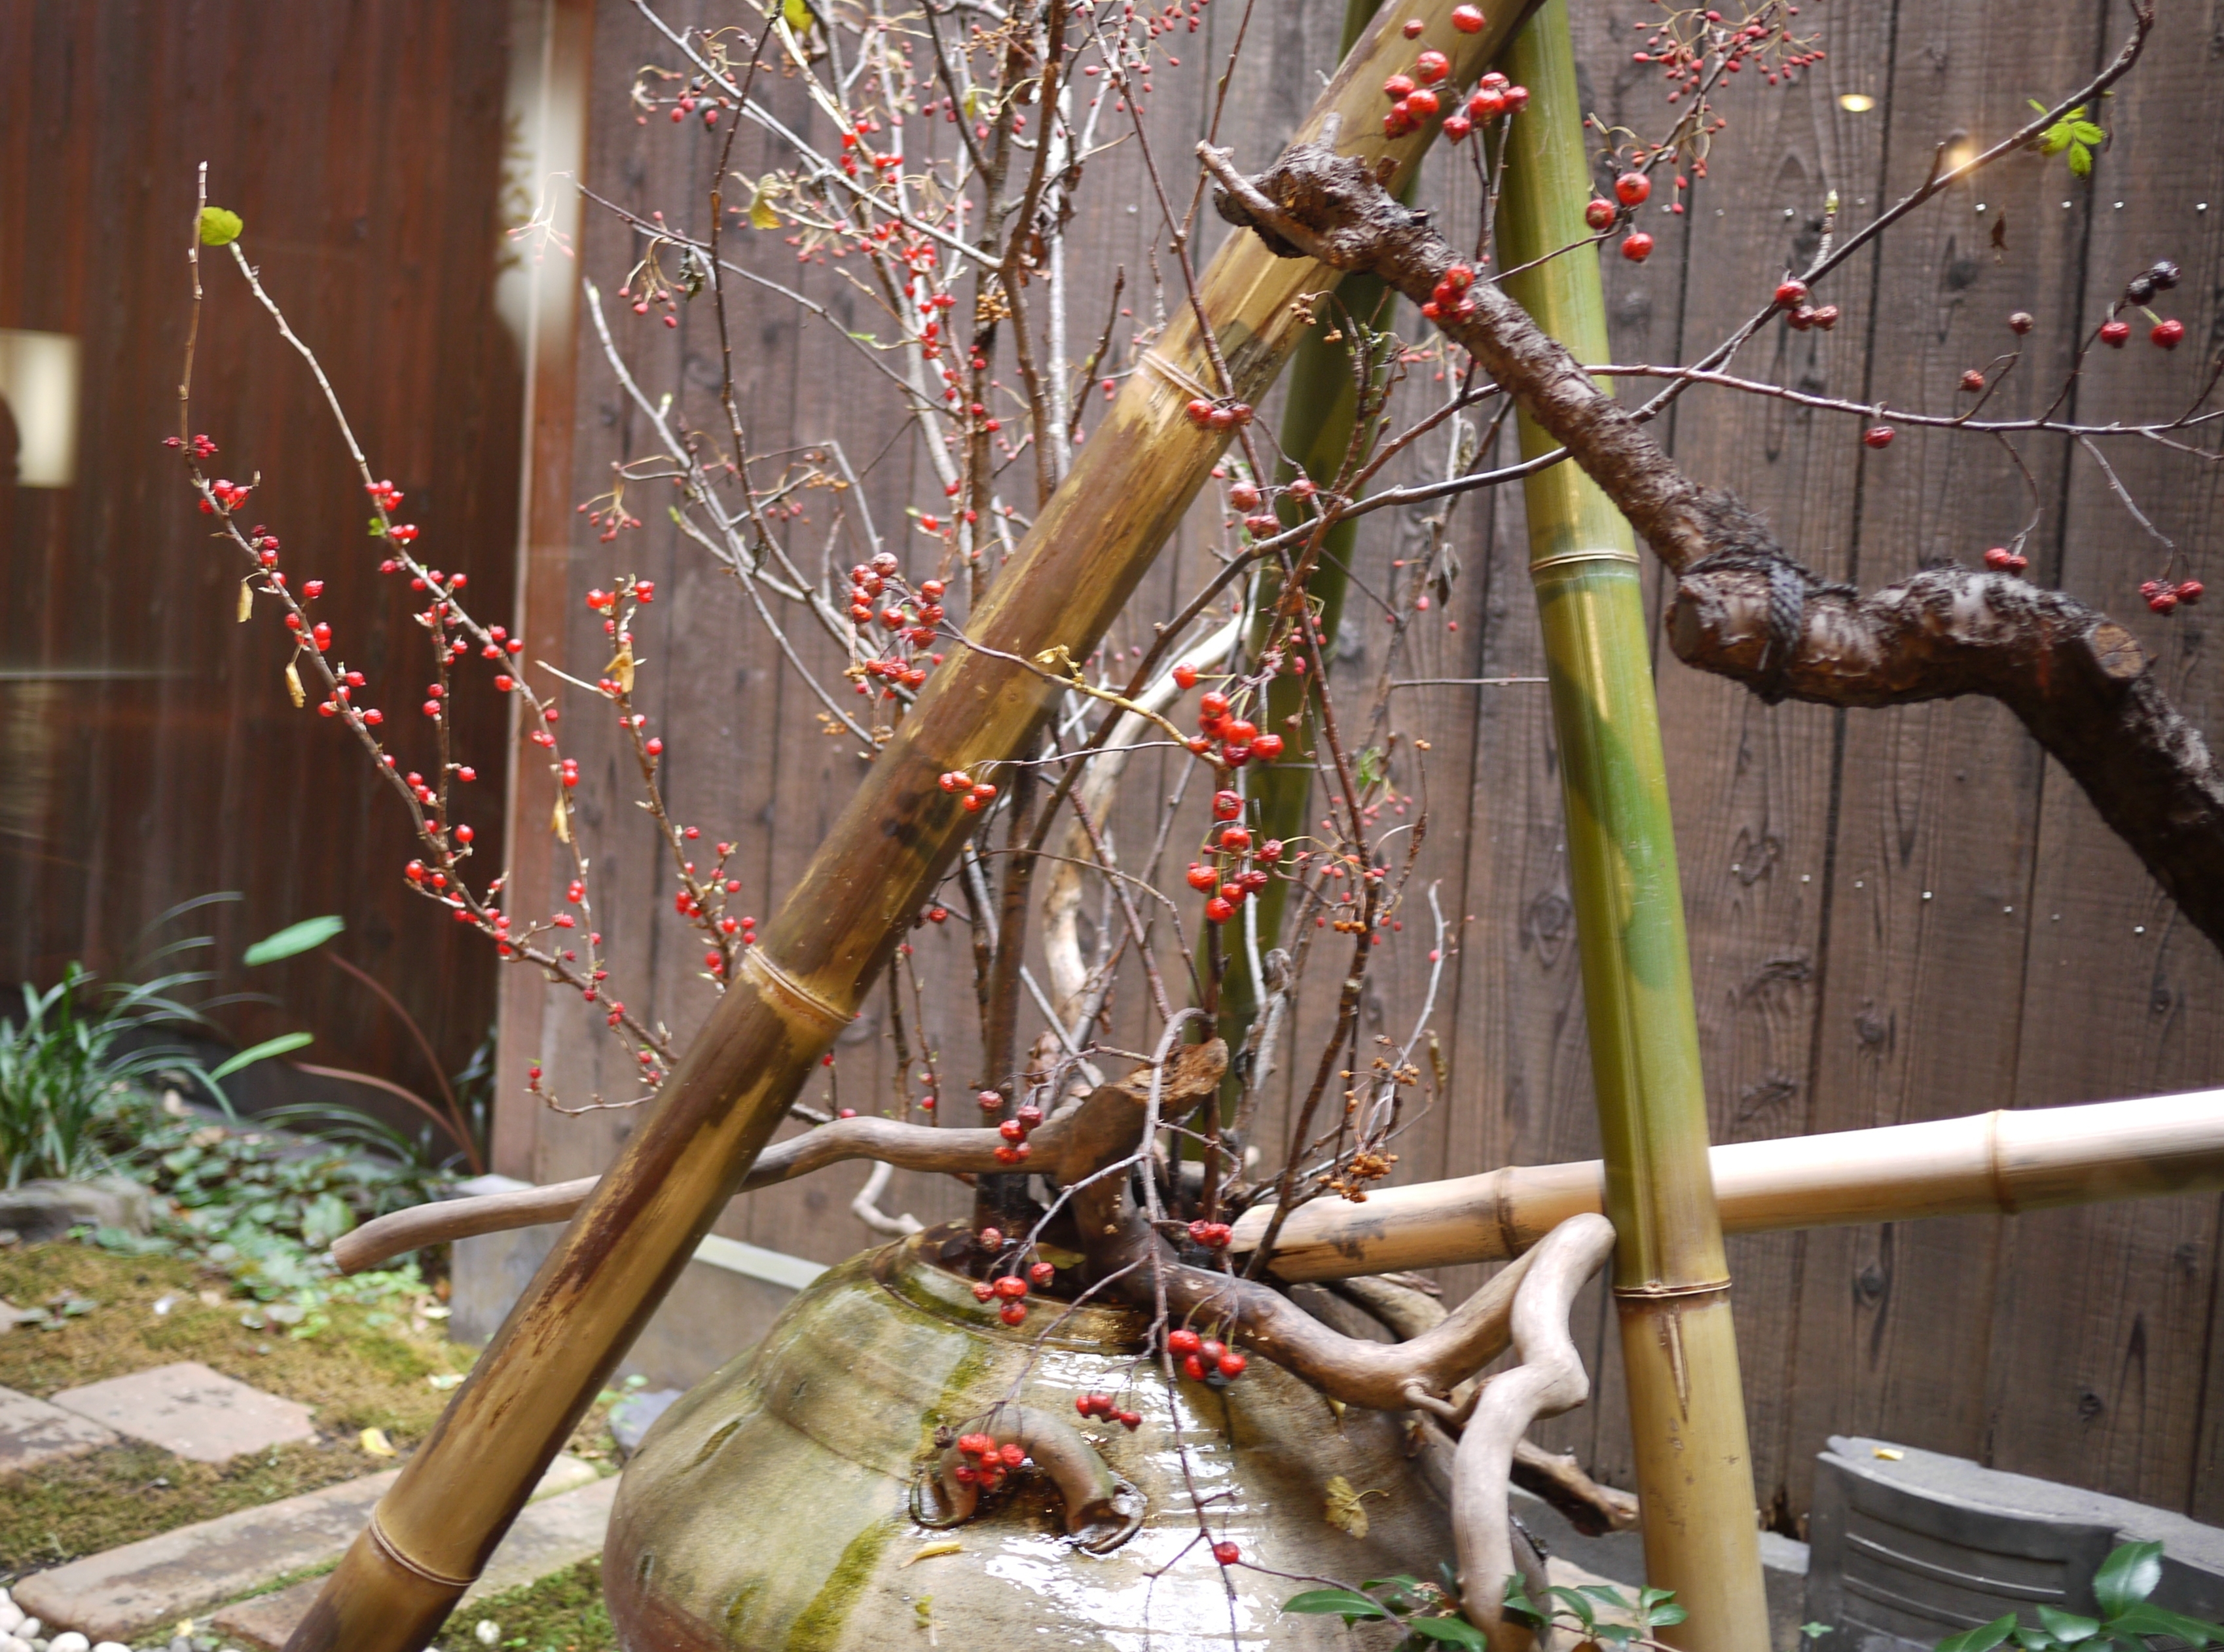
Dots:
pixel 1744 609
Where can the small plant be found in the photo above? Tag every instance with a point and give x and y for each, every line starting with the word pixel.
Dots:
pixel 1600 1614
pixel 2130 1622
pixel 2074 133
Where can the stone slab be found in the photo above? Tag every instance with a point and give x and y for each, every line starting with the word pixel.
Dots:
pixel 160 1579
pixel 32 1432
pixel 548 1536
pixel 191 1410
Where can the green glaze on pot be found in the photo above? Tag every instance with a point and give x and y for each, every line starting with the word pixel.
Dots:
pixel 769 1508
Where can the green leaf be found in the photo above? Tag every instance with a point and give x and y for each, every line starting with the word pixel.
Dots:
pixel 1346 1604
pixel 797 14
pixel 1660 1617
pixel 1453 1631
pixel 377 528
pixel 1813 1631
pixel 2127 1576
pixel 2057 138
pixel 1517 1603
pixel 761 215
pixel 2146 1618
pixel 1577 1604
pixel 263 1051
pixel 2067 1627
pixel 1983 1638
pixel 219 227
pixel 2085 132
pixel 302 937
pixel 2080 160
pixel 2035 1640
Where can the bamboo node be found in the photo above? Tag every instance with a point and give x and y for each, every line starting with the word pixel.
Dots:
pixel 1655 1291
pixel 777 984
pixel 393 1552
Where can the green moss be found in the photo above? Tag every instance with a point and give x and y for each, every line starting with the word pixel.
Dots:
pixel 563 1612
pixel 821 1622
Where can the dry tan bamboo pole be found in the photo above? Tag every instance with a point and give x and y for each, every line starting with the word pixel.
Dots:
pixel 434 1530
pixel 1986 1163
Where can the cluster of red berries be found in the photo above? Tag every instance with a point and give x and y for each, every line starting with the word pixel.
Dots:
pixel 868 581
pixel 229 495
pixel 2163 335
pixel 606 602
pixel 978 793
pixel 1684 63
pixel 1451 300
pixel 384 495
pixel 201 446
pixel 2003 559
pixel 2164 595
pixel 1790 297
pixel 1245 495
pixel 1014 1148
pixel 1221 415
pixel 1213 1236
pixel 1229 842
pixel 1204 1357
pixel 1101 1405
pixel 1631 190
pixel 1240 738
pixel 992 1462
pixel 1493 96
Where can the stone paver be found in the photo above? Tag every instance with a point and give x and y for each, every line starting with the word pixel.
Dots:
pixel 191 1410
pixel 548 1536
pixel 178 1574
pixel 32 1432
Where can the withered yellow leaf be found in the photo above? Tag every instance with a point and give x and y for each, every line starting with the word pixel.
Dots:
pixel 1347 1508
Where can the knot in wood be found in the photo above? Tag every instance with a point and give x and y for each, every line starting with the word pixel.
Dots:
pixel 1339 198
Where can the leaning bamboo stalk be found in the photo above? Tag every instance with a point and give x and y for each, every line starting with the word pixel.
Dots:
pixel 432 1531
pixel 1997 1163
pixel 1670 1279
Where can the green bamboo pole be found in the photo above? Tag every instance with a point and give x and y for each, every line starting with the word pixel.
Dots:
pixel 435 1528
pixel 1670 1279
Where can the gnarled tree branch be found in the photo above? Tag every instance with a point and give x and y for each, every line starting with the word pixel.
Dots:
pixel 1745 610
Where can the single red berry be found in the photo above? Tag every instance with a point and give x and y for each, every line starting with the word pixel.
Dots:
pixel 2020 323
pixel 1012 1312
pixel 2114 334
pixel 1183 1340
pixel 1487 104
pixel 1600 214
pixel 1826 316
pixel 1243 496
pixel 2190 592
pixel 1972 380
pixel 1878 436
pixel 1227 1553
pixel 1456 127
pixel 2163 600
pixel 2167 333
pixel 1131 1421
pixel 1999 557
pixel 1201 877
pixel 1398 87
pixel 1637 246
pixel 1232 1364
pixel 1012 1286
pixel 1632 189
pixel 1185 676
pixel 1413 27
pixel 1041 1273
pixel 1235 836
pixel 1218 909
pixel 1467 20
pixel 1432 66
pixel 1790 294
pixel 983 1290
pixel 1422 103
pixel 1226 805
pixel 1267 747
pixel 1200 412
pixel 1194 1367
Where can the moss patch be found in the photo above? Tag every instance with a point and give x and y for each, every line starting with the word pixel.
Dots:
pixel 367 1368
pixel 563 1612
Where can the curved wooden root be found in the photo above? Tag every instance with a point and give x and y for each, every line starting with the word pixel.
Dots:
pixel 1549 1380
pixel 1069 1145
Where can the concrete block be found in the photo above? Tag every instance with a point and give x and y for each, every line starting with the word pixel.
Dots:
pixel 32 1432
pixel 37 1211
pixel 726 1299
pixel 191 1410
pixel 548 1536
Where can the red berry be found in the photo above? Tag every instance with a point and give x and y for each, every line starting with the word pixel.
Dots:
pixel 984 1291
pixel 2167 333
pixel 1878 436
pixel 1637 246
pixel 1202 877
pixel 1398 87
pixel 1232 1364
pixel 1243 496
pixel 1012 1312
pixel 2163 600
pixel 1200 412
pixel 1790 294
pixel 2021 323
pixel 1226 805
pixel 1826 317
pixel 1267 747
pixel 1235 836
pixel 2190 592
pixel 1413 27
pixel 1487 104
pixel 1227 1553
pixel 1972 380
pixel 1467 20
pixel 1423 105
pixel 1432 66
pixel 2116 333
pixel 1193 1366
pixel 1185 676
pixel 1632 189
pixel 1131 1421
pixel 1218 909
pixel 1998 557
pixel 1456 127
pixel 1600 214
pixel 1183 1340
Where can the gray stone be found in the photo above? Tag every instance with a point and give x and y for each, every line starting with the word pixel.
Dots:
pixel 1911 1546
pixel 548 1536
pixel 725 1299
pixel 32 1432
pixel 191 1410
pixel 181 1572
pixel 630 1417
pixel 39 1211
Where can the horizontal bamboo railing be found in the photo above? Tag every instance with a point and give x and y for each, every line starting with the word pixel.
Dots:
pixel 2004 1162
pixel 1988 1163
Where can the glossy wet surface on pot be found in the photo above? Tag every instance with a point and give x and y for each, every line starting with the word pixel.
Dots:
pixel 771 1506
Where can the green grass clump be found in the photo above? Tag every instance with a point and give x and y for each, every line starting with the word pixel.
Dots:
pixel 563 1612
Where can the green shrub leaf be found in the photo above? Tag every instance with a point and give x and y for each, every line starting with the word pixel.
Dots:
pixel 1346 1604
pixel 305 936
pixel 219 227
pixel 263 1051
pixel 2127 1576
pixel 1983 1638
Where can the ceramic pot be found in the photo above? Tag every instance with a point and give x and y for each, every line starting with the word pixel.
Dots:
pixel 778 1504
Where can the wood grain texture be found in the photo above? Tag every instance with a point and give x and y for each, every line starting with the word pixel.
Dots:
pixel 149 752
